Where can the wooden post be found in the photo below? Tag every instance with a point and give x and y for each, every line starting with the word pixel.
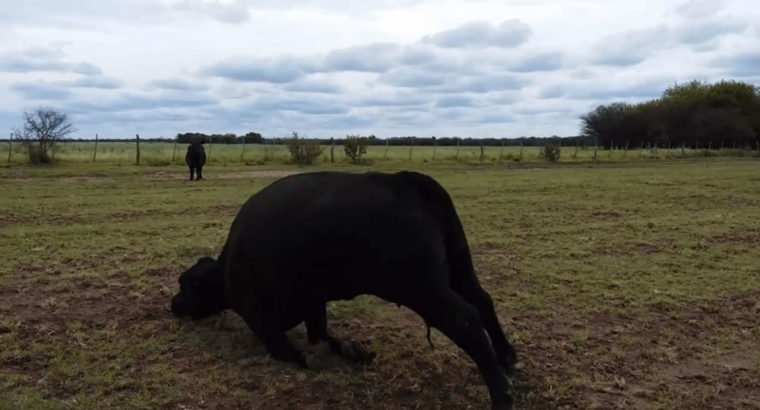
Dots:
pixel 683 149
pixel 521 150
pixel 174 149
pixel 385 157
pixel 575 154
pixel 435 146
pixel 242 153
pixel 625 150
pixel 332 149
pixel 456 155
pixel 95 151
pixel 411 146
pixel 482 155
pixel 10 146
pixel 596 145
pixel 137 155
pixel 501 151
pixel 208 156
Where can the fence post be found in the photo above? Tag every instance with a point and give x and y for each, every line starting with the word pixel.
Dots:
pixel 456 155
pixel 243 152
pixel 385 157
pixel 332 148
pixel 174 149
pixel 596 145
pixel 683 149
pixel 521 150
pixel 482 155
pixel 10 146
pixel 208 156
pixel 501 151
pixel 435 146
pixel 575 154
pixel 95 151
pixel 625 150
pixel 411 146
pixel 137 154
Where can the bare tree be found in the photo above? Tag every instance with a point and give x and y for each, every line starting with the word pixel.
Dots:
pixel 43 129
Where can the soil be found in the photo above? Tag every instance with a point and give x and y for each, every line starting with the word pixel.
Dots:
pixel 571 361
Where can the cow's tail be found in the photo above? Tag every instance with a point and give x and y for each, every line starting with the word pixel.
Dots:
pixel 439 203
pixel 428 336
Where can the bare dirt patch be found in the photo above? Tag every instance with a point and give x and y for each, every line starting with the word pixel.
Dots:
pixel 161 175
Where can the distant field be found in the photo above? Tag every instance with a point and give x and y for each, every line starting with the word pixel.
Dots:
pixel 622 284
pixel 163 154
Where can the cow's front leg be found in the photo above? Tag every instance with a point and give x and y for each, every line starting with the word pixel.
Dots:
pixel 192 172
pixel 316 329
pixel 275 340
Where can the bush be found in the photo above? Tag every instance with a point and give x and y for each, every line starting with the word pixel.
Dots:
pixel 355 147
pixel 302 150
pixel 550 152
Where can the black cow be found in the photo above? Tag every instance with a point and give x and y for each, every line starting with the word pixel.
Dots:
pixel 311 238
pixel 195 158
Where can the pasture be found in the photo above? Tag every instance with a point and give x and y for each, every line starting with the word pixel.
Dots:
pixel 629 284
pixel 166 154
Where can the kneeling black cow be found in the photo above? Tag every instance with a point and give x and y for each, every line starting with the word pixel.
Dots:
pixel 195 159
pixel 312 238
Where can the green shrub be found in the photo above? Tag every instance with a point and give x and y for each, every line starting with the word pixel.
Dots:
pixel 355 147
pixel 302 150
pixel 550 152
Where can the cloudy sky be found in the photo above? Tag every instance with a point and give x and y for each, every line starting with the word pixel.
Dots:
pixel 469 68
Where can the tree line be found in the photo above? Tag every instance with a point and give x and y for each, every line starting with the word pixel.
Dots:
pixel 256 138
pixel 693 114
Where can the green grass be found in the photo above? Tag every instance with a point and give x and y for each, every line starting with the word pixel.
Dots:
pixel 587 264
pixel 161 154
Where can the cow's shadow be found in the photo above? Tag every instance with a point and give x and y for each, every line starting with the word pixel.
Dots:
pixel 227 337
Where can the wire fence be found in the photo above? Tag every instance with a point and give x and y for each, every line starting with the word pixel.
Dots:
pixel 169 153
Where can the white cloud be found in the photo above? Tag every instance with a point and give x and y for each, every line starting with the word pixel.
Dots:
pixel 388 67
pixel 508 34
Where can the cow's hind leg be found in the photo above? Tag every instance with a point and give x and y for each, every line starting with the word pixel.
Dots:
pixel 316 329
pixel 200 172
pixel 192 172
pixel 471 291
pixel 445 310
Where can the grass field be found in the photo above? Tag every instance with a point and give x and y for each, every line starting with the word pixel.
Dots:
pixel 622 285
pixel 166 154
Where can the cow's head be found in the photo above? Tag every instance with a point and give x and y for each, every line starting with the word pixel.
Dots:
pixel 201 290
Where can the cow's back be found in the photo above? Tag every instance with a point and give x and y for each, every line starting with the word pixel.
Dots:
pixel 338 234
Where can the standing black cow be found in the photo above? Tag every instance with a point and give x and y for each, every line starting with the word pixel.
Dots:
pixel 312 238
pixel 195 158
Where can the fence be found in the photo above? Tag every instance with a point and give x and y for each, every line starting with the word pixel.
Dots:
pixel 167 153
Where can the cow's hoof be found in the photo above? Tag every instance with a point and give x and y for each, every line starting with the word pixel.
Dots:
pixel 502 404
